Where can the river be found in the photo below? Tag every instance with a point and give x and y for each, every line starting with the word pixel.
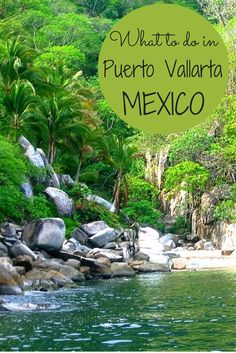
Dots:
pixel 174 311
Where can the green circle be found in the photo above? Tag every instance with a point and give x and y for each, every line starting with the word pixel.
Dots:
pixel 157 85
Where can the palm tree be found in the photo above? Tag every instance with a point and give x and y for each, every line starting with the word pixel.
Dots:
pixel 122 155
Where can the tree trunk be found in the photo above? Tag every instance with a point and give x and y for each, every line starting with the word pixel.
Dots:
pixel 51 151
pixel 79 168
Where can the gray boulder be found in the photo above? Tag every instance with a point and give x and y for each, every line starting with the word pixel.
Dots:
pixel 112 255
pixel 3 250
pixel 79 235
pixel 209 246
pixel 31 153
pixel 62 201
pixel 100 201
pixel 168 241
pixel 27 189
pixel 21 249
pixel 111 246
pixel 93 228
pixel 45 233
pixel 24 261
pixel 65 179
pixel 145 266
pixel 10 280
pixel 103 237
pixel 141 256
pixel 71 273
pixel 120 269
pixel 72 245
pixel 73 263
pixel 200 244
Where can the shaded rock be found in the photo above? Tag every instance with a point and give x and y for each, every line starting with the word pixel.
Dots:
pixel 120 269
pixel 200 244
pixel 62 201
pixel 99 270
pixel 71 273
pixel 3 250
pixel 112 255
pixel 179 263
pixel 46 280
pixel 141 256
pixel 104 261
pixel 10 230
pixel 73 263
pixel 86 272
pixel 192 237
pixel 100 201
pixel 72 245
pixel 10 280
pixel 47 264
pixel 111 246
pixel 54 181
pixel 209 245
pixel 45 254
pixel 20 270
pixel 79 235
pixel 27 189
pixel 94 227
pixel 145 266
pixel 21 249
pixel 23 261
pixel 45 233
pixel 168 241
pixel 65 179
pixel 103 237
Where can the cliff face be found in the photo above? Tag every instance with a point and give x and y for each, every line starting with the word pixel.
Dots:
pixel 200 218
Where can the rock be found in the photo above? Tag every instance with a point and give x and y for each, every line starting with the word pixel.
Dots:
pixel 119 269
pixel 111 246
pixel 167 237
pixel 27 189
pixel 99 270
pixel 141 256
pixel 112 255
pixel 169 245
pixel 93 228
pixel 79 235
pixel 47 264
pixel 54 181
pixel 10 280
pixel 162 164
pixel 200 244
pixel 45 233
pixel 71 273
pixel 100 201
pixel 6 259
pixel 62 201
pixel 46 280
pixel 3 250
pixel 86 272
pixel 103 237
pixel 104 261
pixel 145 266
pixel 179 263
pixel 209 245
pixel 149 243
pixel 72 245
pixel 23 261
pixel 228 239
pixel 192 237
pixel 20 270
pixel 10 230
pixel 73 263
pixel 45 255
pixel 65 179
pixel 21 249
pixel 32 154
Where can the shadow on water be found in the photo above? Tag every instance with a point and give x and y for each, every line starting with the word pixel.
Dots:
pixel 175 311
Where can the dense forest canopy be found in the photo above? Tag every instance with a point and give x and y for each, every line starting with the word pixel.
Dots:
pixel 50 94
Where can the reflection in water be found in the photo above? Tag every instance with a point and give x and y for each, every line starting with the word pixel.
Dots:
pixel 163 311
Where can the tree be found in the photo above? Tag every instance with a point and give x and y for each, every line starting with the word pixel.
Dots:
pixel 218 10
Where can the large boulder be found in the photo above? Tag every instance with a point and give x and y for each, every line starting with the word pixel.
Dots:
pixel 120 269
pixel 3 250
pixel 112 255
pixel 146 266
pixel 19 248
pixel 62 201
pixel 100 201
pixel 23 261
pixel 93 228
pixel 103 237
pixel 71 273
pixel 10 280
pixel 72 245
pixel 228 239
pixel 168 241
pixel 45 233
pixel 80 235
pixel 99 270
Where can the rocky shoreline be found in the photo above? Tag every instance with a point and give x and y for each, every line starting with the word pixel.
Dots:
pixel 39 258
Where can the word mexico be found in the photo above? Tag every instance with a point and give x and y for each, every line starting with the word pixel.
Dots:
pixel 172 104
pixel 174 68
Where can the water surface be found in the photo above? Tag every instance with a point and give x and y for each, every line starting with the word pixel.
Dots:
pixel 175 311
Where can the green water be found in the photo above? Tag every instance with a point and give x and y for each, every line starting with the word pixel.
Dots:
pixel 175 311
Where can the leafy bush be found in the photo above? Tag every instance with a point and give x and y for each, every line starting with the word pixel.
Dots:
pixel 188 176
pixel 142 190
pixel 89 211
pixel 78 191
pixel 225 211
pixel 180 226
pixel 40 207
pixel 70 224
pixel 143 212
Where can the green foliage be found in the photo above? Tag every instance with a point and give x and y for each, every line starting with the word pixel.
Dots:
pixel 144 213
pixel 140 189
pixel 190 146
pixel 40 207
pixel 70 224
pixel 89 211
pixel 79 191
pixel 180 226
pixel 188 176
pixel 225 210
